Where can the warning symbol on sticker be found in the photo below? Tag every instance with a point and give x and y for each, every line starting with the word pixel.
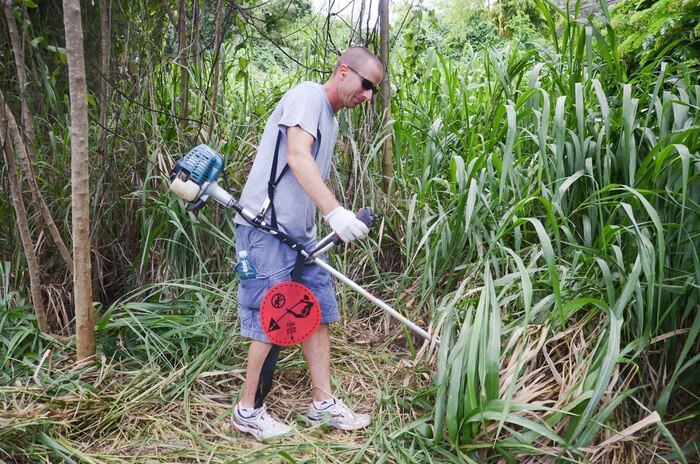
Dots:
pixel 278 300
pixel 273 325
pixel 292 306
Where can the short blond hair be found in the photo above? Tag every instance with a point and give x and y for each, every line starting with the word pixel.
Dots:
pixel 356 56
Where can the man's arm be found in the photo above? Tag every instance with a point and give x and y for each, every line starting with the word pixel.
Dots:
pixel 306 172
pixel 305 169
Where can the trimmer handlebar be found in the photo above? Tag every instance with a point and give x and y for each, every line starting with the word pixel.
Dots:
pixel 366 215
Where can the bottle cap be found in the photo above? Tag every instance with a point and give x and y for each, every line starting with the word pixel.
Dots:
pixel 243 254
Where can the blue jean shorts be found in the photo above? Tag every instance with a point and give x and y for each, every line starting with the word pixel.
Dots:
pixel 274 262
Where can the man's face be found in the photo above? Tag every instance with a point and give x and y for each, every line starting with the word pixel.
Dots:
pixel 359 83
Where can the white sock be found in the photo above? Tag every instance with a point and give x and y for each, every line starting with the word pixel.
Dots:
pixel 324 403
pixel 245 411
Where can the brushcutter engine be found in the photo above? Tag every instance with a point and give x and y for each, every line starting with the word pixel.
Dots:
pixel 195 179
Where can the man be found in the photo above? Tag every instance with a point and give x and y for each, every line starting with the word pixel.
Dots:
pixel 301 135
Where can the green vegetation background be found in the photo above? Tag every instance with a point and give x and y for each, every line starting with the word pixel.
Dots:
pixel 544 224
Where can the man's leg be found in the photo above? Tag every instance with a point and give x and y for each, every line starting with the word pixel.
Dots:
pixel 267 374
pixel 257 352
pixel 250 414
pixel 252 419
pixel 317 352
pixel 325 408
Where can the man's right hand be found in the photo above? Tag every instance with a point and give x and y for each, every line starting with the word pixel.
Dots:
pixel 346 225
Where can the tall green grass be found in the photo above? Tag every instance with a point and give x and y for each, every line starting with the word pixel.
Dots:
pixel 551 207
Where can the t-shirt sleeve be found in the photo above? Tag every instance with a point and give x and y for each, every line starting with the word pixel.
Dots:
pixel 303 107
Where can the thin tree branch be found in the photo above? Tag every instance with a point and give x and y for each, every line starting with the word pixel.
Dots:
pixel 215 69
pixel 22 223
pixel 387 149
pixel 169 13
pixel 13 133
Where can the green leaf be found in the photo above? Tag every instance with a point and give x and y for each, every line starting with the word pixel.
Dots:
pixel 548 253
pixel 287 456
pixel 508 150
pixel 530 425
pixel 681 365
pixel 60 51
pixel 492 342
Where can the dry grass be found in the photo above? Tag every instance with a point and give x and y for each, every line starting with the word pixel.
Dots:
pixel 118 414
pixel 553 364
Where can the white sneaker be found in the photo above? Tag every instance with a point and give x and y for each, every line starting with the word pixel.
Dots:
pixel 259 424
pixel 336 414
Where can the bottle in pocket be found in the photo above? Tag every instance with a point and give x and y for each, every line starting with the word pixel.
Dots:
pixel 245 267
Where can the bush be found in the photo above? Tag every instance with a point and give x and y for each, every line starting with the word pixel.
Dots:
pixel 652 28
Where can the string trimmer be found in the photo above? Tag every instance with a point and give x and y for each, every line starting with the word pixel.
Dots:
pixel 195 179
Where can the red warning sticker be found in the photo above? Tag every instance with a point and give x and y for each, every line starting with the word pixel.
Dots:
pixel 289 313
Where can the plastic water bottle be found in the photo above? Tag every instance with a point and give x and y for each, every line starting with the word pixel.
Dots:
pixel 245 268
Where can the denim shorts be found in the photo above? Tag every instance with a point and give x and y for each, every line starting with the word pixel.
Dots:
pixel 274 262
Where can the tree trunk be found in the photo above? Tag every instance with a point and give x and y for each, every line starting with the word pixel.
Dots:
pixel 80 193
pixel 500 18
pixel 182 54
pixel 215 69
pixel 27 126
pixel 194 40
pixel 14 134
pixel 105 50
pixel 23 225
pixel 385 90
pixel 18 52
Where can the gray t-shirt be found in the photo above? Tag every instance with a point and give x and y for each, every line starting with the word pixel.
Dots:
pixel 305 105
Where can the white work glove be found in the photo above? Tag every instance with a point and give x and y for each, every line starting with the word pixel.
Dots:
pixel 346 225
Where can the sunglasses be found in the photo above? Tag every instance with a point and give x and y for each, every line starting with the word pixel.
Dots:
pixel 366 83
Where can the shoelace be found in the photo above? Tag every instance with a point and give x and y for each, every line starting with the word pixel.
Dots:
pixel 345 410
pixel 338 405
pixel 261 414
pixel 267 419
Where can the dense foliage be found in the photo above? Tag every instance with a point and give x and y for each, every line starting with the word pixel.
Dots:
pixel 658 28
pixel 544 224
